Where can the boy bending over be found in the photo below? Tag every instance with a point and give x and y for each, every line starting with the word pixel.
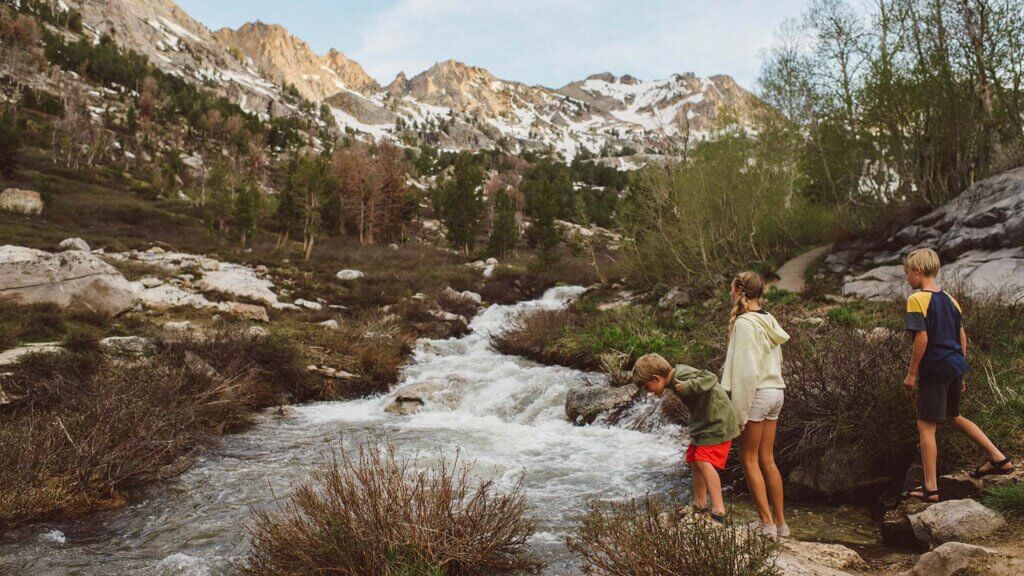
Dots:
pixel 713 423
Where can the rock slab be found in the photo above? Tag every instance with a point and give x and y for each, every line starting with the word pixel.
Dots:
pixel 72 279
pixel 955 520
pixel 21 201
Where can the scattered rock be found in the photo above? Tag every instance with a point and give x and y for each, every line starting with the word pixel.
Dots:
pixel 464 295
pixel 393 246
pixel 256 332
pixel 816 559
pixel 74 244
pixel 178 326
pixel 253 312
pixel 349 275
pixel 197 365
pixel 950 559
pixel 15 355
pixel 21 201
pixel 491 262
pixel 308 305
pixel 674 298
pixel 165 296
pixel 150 282
pixel 240 283
pixel 128 345
pixel 331 324
pixel 811 321
pixel 585 403
pixel 955 520
pixel 73 280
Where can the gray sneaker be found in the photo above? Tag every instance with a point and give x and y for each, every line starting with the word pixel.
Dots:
pixel 782 530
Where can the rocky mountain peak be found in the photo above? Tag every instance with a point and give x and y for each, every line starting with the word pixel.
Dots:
pixel 287 59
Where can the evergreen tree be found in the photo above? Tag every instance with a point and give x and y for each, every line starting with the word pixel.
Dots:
pixel 544 234
pixel 10 142
pixel 459 203
pixel 247 211
pixel 504 229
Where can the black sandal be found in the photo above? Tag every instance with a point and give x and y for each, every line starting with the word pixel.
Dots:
pixel 925 495
pixel 997 469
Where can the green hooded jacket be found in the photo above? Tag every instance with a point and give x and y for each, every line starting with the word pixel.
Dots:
pixel 712 417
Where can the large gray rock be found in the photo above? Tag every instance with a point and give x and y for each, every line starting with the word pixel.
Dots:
pixel 241 283
pixel 979 235
pixel 798 558
pixel 950 559
pixel 955 520
pixel 74 280
pixel 21 201
pixel 584 404
pixel 840 473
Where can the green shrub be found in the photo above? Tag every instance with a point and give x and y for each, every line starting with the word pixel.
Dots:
pixel 1008 498
pixel 843 316
pixel 375 513
pixel 645 538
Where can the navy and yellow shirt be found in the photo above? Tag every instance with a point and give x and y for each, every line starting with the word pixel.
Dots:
pixel 938 314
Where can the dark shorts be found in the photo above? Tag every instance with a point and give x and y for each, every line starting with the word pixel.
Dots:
pixel 939 400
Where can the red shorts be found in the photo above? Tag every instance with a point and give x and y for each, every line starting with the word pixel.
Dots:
pixel 716 454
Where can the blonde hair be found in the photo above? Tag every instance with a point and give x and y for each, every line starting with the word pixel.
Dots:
pixel 750 285
pixel 648 366
pixel 925 261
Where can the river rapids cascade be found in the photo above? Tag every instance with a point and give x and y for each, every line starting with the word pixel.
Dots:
pixel 502 413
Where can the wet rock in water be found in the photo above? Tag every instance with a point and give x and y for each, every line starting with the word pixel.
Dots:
pixel 955 520
pixel 950 559
pixel 349 275
pixel 816 559
pixel 74 280
pixel 19 201
pixel 409 399
pixel 584 404
pixel 74 244
pixel 896 530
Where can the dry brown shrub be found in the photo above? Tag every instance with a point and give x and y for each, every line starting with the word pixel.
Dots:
pixel 374 513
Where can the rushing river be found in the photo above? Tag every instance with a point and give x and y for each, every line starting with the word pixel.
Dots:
pixel 504 413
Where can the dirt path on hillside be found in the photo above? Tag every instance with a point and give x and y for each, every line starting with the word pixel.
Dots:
pixel 791 274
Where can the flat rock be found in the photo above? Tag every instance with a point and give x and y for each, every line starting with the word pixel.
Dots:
pixel 73 280
pixel 253 312
pixel 21 201
pixel 955 520
pixel 950 559
pixel 239 283
pixel 308 304
pixel 816 559
pixel 349 275
pixel 12 356
pixel 128 345
pixel 331 324
pixel 178 326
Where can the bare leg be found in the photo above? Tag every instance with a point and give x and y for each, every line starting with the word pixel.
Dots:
pixel 929 453
pixel 700 487
pixel 750 441
pixel 975 433
pixel 714 486
pixel 772 477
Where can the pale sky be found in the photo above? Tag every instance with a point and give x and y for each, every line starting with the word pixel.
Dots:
pixel 549 42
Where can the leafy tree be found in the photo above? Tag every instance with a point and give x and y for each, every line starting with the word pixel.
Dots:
pixel 459 203
pixel 504 228
pixel 10 141
pixel 314 183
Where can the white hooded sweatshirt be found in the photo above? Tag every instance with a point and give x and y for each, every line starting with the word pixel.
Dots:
pixel 754 359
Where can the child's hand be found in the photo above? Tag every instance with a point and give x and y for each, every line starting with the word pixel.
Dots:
pixel 910 382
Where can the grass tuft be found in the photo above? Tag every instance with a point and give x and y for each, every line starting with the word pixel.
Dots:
pixel 1007 498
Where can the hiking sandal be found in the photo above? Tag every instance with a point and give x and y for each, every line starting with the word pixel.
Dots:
pixel 922 494
pixel 718 518
pixel 996 470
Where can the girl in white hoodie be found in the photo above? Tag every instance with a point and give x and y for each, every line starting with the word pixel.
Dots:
pixel 753 377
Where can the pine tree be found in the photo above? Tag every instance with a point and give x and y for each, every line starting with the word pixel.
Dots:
pixel 247 211
pixel 459 203
pixel 504 229
pixel 544 234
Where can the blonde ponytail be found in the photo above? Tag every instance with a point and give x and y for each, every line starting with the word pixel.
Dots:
pixel 750 285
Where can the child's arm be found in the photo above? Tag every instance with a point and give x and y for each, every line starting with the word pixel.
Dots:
pixel 920 344
pixel 694 382
pixel 963 348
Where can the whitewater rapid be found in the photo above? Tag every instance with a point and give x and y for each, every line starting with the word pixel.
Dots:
pixel 502 413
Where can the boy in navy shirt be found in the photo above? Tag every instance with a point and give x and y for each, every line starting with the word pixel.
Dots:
pixel 937 369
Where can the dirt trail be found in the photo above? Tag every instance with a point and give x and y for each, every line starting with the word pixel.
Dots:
pixel 791 274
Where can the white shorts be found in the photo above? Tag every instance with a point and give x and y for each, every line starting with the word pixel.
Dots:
pixel 767 405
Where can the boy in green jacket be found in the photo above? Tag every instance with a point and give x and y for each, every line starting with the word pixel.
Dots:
pixel 713 422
